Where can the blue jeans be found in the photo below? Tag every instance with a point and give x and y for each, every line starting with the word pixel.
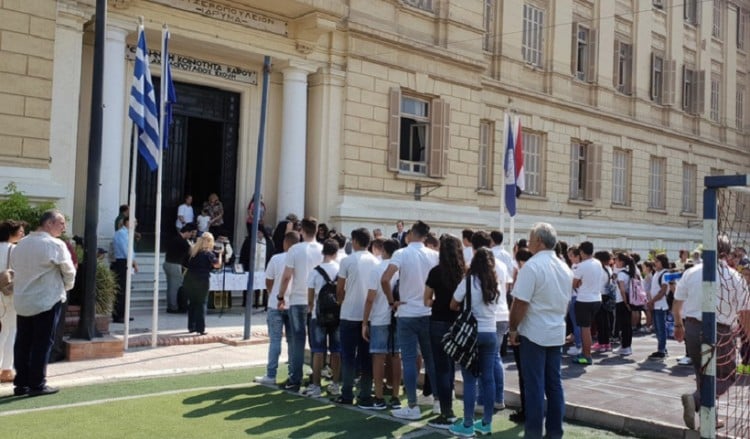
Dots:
pixel 277 321
pixel 576 328
pixel 541 376
pixel 355 356
pixel 660 327
pixel 499 370
pixel 445 369
pixel 34 338
pixel 298 327
pixel 412 331
pixel 488 349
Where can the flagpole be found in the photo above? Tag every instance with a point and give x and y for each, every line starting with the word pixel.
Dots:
pixel 131 232
pixel 159 173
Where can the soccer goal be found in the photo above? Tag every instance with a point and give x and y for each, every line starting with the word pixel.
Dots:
pixel 725 338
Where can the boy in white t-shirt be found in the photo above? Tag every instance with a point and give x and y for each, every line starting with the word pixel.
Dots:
pixel 323 339
pixel 380 333
pixel 275 318
pixel 203 221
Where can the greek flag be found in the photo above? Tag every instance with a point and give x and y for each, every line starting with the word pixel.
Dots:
pixel 170 95
pixel 511 186
pixel 143 105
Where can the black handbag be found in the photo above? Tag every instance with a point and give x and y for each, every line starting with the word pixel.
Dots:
pixel 460 342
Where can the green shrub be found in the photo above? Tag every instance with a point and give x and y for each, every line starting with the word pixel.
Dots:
pixel 16 205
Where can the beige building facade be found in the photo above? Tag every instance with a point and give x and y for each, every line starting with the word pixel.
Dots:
pixel 393 109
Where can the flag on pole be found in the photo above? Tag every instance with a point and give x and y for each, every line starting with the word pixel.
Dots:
pixel 170 94
pixel 518 161
pixel 143 104
pixel 510 167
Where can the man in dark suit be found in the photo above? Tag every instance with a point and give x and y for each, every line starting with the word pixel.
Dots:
pixel 400 235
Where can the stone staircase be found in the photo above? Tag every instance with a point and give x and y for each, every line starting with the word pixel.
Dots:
pixel 142 291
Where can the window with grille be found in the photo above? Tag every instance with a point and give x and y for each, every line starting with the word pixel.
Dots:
pixel 532 38
pixel 715 99
pixel 489 25
pixel 718 11
pixel 486 143
pixel 585 171
pixel 621 177
pixel 657 182
pixel 533 161
pixel 689 187
pixel 743 17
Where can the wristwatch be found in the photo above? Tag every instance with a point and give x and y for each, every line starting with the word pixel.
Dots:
pixel 280 298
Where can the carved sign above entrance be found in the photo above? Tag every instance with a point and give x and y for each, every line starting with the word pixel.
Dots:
pixel 188 64
pixel 231 14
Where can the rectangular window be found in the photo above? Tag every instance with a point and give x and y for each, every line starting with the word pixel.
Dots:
pixel 657 78
pixel 740 109
pixel 532 39
pixel 533 161
pixel 657 178
pixel 742 20
pixel 715 98
pixel 717 18
pixel 486 150
pixel 624 67
pixel 425 5
pixel 489 26
pixel 689 185
pixel 418 134
pixel 691 11
pixel 585 171
pixel 582 42
pixel 621 177
pixel 693 84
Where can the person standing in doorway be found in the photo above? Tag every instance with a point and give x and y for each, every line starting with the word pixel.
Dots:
pixel 185 213
pixel 44 271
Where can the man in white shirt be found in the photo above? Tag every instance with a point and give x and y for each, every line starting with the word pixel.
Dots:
pixel 44 271
pixel 687 306
pixel 276 319
pixel 588 279
pixel 466 235
pixel 413 263
pixel 351 290
pixel 503 255
pixel 537 321
pixel 300 261
pixel 185 213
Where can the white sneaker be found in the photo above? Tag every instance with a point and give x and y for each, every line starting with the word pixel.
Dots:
pixel 326 373
pixel 436 408
pixel 312 391
pixel 685 361
pixel 411 413
pixel 425 400
pixel 624 351
pixel 573 351
pixel 499 406
pixel 265 380
pixel 334 389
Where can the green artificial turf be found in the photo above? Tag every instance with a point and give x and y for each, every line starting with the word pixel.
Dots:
pixel 213 405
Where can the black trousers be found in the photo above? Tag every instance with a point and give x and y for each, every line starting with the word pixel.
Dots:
pixel 120 268
pixel 34 340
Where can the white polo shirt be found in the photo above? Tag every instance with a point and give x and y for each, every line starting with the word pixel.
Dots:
pixel 544 282
pixel 302 258
pixel 316 281
pixel 380 313
pixel 414 263
pixel 503 255
pixel 689 289
pixel 502 313
pixel 592 276
pixel 356 269
pixel 274 272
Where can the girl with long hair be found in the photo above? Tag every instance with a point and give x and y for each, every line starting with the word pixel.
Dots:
pixel 201 260
pixel 482 281
pixel 439 288
pixel 625 271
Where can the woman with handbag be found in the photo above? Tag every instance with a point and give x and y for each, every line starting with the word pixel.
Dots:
pixel 439 288
pixel 479 292
pixel 11 232
pixel 201 260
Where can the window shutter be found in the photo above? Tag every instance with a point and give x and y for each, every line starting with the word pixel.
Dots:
pixel 616 66
pixel 574 176
pixel 685 99
pixel 439 138
pixel 593 172
pixel 669 73
pixel 574 50
pixel 628 71
pixel 653 90
pixel 394 129
pixel 700 91
pixel 591 57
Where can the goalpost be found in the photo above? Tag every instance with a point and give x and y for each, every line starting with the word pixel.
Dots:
pixel 726 225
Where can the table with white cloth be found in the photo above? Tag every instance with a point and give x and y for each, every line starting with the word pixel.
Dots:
pixel 221 284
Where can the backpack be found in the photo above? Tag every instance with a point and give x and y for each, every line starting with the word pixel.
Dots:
pixel 637 295
pixel 328 309
pixel 609 295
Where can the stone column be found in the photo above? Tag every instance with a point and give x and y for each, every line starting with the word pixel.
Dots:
pixel 114 169
pixel 291 187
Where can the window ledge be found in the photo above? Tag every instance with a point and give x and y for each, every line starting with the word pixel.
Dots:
pixel 533 197
pixel 689 214
pixel 580 202
pixel 657 210
pixel 621 206
pixel 416 177
pixel 533 67
pixel 486 192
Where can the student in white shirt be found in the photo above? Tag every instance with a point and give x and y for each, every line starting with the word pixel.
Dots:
pixel 300 261
pixel 588 280
pixel 277 319
pixel 185 213
pixel 657 301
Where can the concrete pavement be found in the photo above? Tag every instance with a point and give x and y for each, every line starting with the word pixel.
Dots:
pixel 630 394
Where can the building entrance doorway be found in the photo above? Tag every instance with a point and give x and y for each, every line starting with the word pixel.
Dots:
pixel 201 159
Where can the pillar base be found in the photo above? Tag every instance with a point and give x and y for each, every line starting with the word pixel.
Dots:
pixel 100 347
